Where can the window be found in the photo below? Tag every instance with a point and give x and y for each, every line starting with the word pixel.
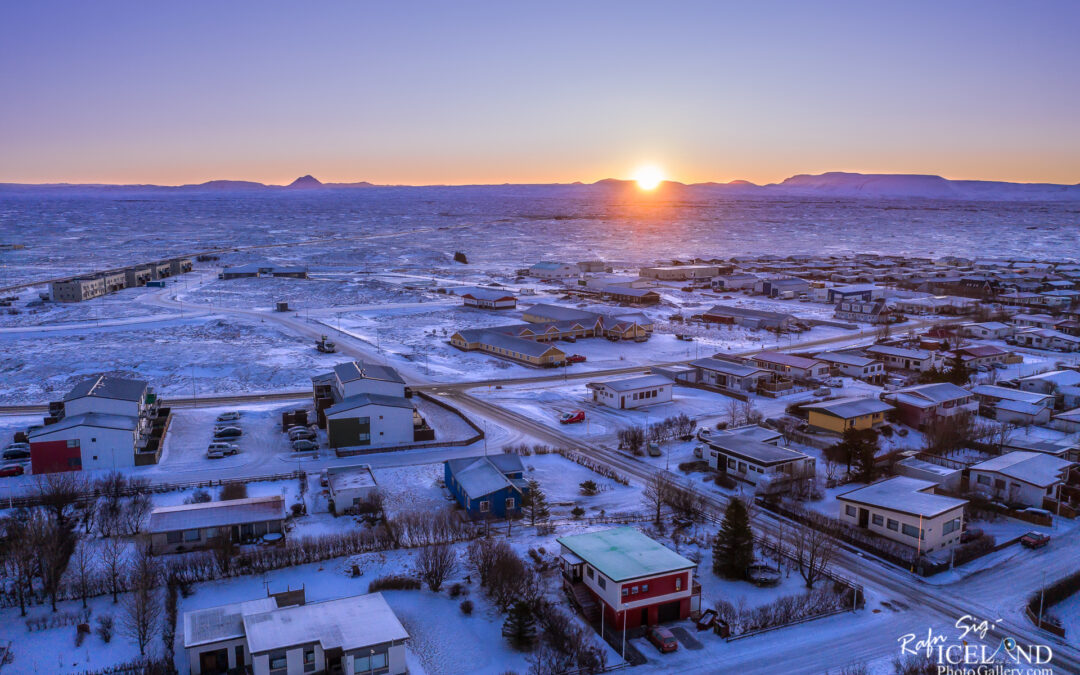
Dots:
pixel 191 535
pixel 983 480
pixel 309 659
pixel 877 519
pixel 600 581
pixel 911 531
pixel 369 662
pixel 850 510
pixel 278 661
pixel 485 506
pixel 951 526
pixel 634 590
pixel 731 463
pixel 625 591
pixel 678 583
pixel 588 572
pixel 742 467
pixel 172 537
pixel 509 503
pixel 644 588
pixel 893 525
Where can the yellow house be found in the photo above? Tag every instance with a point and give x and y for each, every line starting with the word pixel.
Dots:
pixel 841 414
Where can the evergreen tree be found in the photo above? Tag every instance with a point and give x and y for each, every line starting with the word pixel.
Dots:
pixel 864 452
pixel 959 373
pixel 733 547
pixel 520 626
pixel 535 503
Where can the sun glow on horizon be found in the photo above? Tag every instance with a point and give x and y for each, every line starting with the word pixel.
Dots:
pixel 648 177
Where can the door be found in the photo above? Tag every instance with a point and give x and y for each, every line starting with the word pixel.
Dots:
pixel 864 517
pixel 215 662
pixel 622 401
pixel 239 656
pixel 644 616
pixel 669 611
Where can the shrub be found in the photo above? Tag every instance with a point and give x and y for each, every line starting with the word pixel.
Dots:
pixel 466 607
pixel 200 496
pixel 577 512
pixel 456 590
pixel 105 628
pixel 394 582
pixel 589 488
pixel 461 258
pixel 297 509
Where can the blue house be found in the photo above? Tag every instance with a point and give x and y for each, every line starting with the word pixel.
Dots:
pixel 488 485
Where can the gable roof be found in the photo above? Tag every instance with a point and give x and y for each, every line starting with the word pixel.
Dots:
pixel 904 495
pixel 623 553
pixel 727 367
pixel 1033 468
pixel 361 370
pixel 98 420
pixel 560 313
pixel 900 352
pixel 104 386
pixel 347 623
pixel 846 359
pixel 786 359
pixel 482 475
pixel 1007 394
pixel 927 395
pixel 852 406
pixel 216 514
pixel 363 400
pixel 746 312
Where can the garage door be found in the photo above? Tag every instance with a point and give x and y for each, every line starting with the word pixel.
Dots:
pixel 669 611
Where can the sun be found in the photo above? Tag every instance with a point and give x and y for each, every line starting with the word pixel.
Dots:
pixel 648 177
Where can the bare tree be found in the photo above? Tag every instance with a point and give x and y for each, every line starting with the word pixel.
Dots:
pixel 435 563
pixel 945 435
pixel 111 555
pixel 82 564
pixel 734 413
pixel 53 542
pixel 59 492
pixel 141 610
pixel 749 414
pixel 813 552
pixel 656 493
pixel 18 556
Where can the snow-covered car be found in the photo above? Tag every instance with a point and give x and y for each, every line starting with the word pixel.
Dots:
pixel 230 416
pixel 304 445
pixel 302 433
pixel 834 382
pixel 228 432
pixel 17 453
pixel 225 448
pixel 214 454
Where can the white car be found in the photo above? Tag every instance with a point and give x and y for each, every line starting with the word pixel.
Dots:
pixel 226 448
pixel 304 445
pixel 834 382
pixel 230 416
pixel 302 433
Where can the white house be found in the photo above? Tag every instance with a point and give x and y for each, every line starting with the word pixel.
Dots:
pixel 1024 477
pixel 789 365
pixel 905 510
pixel 370 420
pixel 854 365
pixel 754 455
pixel 554 270
pixel 359 377
pixel 902 358
pixel 489 298
pixel 350 486
pixel 633 392
pixel 284 635
pixel 990 330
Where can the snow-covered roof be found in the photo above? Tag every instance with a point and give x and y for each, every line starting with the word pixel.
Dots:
pixel 1022 407
pixel 360 370
pixel 785 359
pixel 560 313
pixel 225 622
pixel 104 386
pixel 347 623
pixel 488 294
pixel 904 495
pixel 727 367
pixel 550 265
pixel 992 325
pixel 217 514
pixel 852 406
pixel 99 420
pixel 362 400
pixel 928 395
pixel 1033 468
pixel 900 352
pixel 749 448
pixel 623 553
pixel 495 338
pixel 1062 378
pixel 627 291
pixel 633 383
pixel 846 359
pixel 746 312
pixel 483 475
pixel 349 477
pixel 1007 394
pixel 754 432
pixel 929 467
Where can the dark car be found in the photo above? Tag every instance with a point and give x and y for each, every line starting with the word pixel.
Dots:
pixel 228 432
pixel 13 470
pixel 16 453
pixel 663 639
pixel 1035 539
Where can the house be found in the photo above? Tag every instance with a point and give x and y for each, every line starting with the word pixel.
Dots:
pixel 283 634
pixel 1053 382
pixel 743 455
pixel 1068 421
pixel 874 312
pixel 936 304
pixel 982 355
pixel 989 330
pixel 748 318
pixel 680 272
pixel 486 298
pixel 554 270
pixel 630 296
pixel 729 376
pixel 487 486
pixel 103 422
pixel 189 526
pixel 1013 405
pixel 1020 477
pixel 853 293
pixel 239 272
pixel 524 350
pixel 138 275
pixel 633 392
pixel 854 365
pixel 77 290
pixel 263 270
pixel 948 478
pixel 365 405
pixel 548 313
pixel 839 415
pixel 1036 320
pixel 791 366
pixel 349 487
pixel 1056 442
pixel 901 358
pixel 907 511
pixel 628 579
pixel 919 405
pixel 1047 339
pixel 786 287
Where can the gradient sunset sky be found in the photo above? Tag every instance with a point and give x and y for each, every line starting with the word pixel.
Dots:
pixel 494 92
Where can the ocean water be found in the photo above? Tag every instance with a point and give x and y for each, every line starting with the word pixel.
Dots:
pixel 509 225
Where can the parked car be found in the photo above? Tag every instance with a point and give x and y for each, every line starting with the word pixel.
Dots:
pixel 575 358
pixel 298 433
pixel 230 416
pixel 999 365
pixel 11 470
pixel 226 448
pixel 1035 539
pixel 572 417
pixel 822 391
pixel 16 453
pixel 653 449
pixel 212 453
pixel 304 445
pixel 663 639
pixel 699 451
pixel 834 382
pixel 684 338
pixel 569 338
pixel 17 446
pixel 228 432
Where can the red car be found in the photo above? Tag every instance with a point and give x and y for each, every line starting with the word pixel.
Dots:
pixel 663 639
pixel 12 470
pixel 572 417
pixel 1035 540
pixel 575 358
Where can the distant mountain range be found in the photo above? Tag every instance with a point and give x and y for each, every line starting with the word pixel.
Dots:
pixel 834 184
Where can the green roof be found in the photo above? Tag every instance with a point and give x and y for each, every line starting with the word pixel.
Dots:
pixel 624 553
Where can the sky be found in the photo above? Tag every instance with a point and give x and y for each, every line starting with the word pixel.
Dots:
pixel 521 92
